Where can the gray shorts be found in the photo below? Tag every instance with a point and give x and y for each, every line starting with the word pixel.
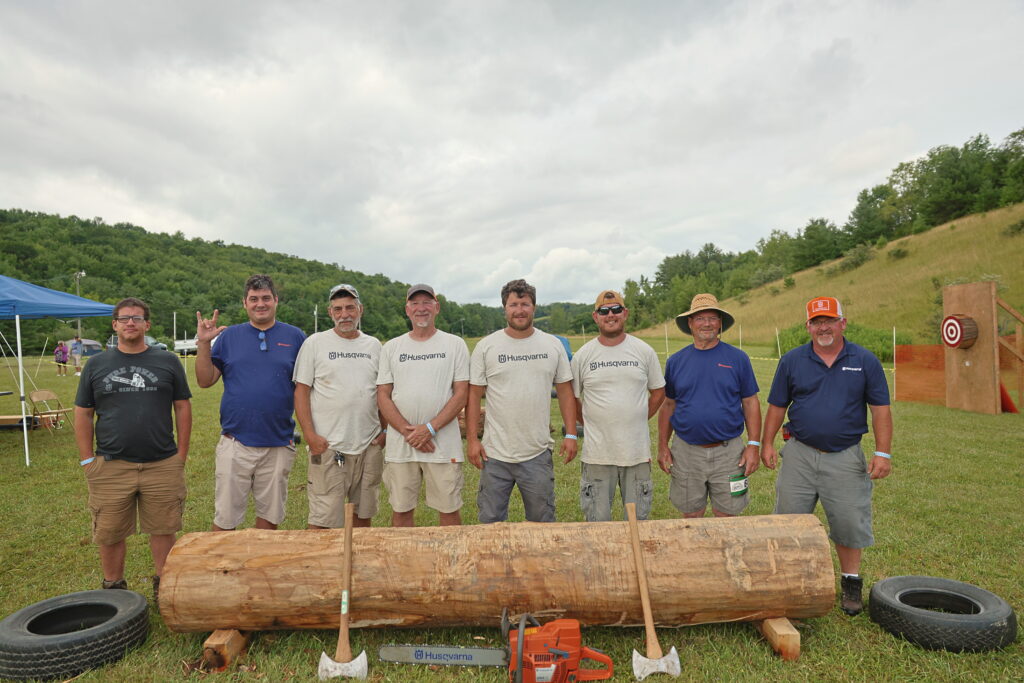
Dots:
pixel 699 474
pixel 840 480
pixel 535 479
pixel 597 489
pixel 357 478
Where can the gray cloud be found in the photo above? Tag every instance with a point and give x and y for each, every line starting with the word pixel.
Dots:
pixel 467 143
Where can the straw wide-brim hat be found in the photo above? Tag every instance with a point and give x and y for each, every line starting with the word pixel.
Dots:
pixel 704 302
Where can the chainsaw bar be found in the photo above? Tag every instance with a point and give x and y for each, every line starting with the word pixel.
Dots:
pixel 444 654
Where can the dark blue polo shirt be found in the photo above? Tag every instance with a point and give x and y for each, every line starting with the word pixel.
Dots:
pixel 828 405
pixel 708 387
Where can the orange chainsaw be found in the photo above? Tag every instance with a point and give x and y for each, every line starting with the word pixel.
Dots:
pixel 551 653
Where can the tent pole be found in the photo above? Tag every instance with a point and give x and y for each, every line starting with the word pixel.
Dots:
pixel 21 386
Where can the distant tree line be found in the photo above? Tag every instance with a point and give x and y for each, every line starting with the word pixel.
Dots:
pixel 946 183
pixel 175 274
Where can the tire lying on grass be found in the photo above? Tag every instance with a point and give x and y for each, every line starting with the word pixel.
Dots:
pixel 69 634
pixel 942 614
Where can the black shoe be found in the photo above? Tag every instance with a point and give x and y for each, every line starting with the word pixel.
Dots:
pixel 119 584
pixel 156 589
pixel 852 602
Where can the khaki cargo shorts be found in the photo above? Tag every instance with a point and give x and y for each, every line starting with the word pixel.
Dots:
pixel 242 470
pixel 331 480
pixel 443 483
pixel 120 491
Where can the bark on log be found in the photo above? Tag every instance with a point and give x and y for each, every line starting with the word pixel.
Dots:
pixel 698 571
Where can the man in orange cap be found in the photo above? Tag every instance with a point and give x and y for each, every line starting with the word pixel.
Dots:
pixel 827 387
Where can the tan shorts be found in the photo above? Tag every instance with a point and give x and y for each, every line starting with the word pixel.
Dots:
pixel 242 470
pixel 699 474
pixel 330 482
pixel 120 490
pixel 443 479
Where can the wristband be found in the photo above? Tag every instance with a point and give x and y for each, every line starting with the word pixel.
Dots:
pixel 571 436
pixel 430 428
pixel 85 462
pixel 881 454
pixel 754 443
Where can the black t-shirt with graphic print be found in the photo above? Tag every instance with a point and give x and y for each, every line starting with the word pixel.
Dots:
pixel 133 395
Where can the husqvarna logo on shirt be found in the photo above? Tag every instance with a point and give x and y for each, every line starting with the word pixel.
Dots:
pixel 852 369
pixel 512 358
pixel 402 357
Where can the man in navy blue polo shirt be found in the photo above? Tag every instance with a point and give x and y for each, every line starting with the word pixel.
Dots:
pixel 828 386
pixel 256 448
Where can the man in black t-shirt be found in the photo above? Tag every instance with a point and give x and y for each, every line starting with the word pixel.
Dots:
pixel 135 468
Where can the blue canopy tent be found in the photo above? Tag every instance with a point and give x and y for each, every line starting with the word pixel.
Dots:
pixel 21 300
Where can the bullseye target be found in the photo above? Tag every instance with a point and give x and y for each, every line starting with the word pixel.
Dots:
pixel 959 331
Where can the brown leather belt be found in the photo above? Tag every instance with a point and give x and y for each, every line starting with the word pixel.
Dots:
pixel 710 445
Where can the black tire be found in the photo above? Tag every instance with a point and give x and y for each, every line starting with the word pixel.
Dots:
pixel 64 636
pixel 942 614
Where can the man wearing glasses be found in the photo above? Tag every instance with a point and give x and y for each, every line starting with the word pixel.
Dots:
pixel 827 387
pixel 336 406
pixel 515 367
pixel 136 468
pixel 710 397
pixel 421 387
pixel 618 385
pixel 256 448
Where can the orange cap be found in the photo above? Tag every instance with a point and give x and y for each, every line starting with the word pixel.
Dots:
pixel 824 306
pixel 609 297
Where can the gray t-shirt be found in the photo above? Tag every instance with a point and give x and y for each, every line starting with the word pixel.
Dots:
pixel 518 374
pixel 615 384
pixel 422 373
pixel 342 374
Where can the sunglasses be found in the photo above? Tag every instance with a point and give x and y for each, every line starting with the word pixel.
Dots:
pixel 263 340
pixel 605 310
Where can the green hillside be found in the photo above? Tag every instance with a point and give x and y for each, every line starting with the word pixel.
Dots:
pixel 898 285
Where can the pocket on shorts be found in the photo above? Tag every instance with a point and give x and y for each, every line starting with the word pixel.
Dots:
pixel 588 500
pixel 95 466
pixel 644 498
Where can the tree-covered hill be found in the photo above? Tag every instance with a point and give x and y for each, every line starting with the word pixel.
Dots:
pixel 175 274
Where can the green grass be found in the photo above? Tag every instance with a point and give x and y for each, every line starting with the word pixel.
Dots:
pixel 892 292
pixel 950 509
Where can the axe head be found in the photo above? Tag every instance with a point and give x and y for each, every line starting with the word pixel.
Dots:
pixel 645 666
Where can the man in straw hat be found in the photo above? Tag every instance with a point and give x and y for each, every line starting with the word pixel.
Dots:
pixel 827 387
pixel 618 383
pixel 711 395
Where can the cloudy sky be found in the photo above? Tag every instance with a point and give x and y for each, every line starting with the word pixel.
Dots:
pixel 574 143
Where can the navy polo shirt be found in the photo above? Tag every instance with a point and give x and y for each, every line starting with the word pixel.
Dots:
pixel 828 405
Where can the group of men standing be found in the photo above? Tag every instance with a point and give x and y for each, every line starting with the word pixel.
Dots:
pixel 373 413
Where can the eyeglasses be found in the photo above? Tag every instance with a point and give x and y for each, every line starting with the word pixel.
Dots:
pixel 263 340
pixel 125 319
pixel 823 322
pixel 605 310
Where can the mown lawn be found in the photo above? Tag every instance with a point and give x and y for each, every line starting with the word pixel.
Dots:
pixel 951 508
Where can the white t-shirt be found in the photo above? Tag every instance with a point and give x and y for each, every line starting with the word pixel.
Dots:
pixel 422 373
pixel 343 376
pixel 615 384
pixel 518 374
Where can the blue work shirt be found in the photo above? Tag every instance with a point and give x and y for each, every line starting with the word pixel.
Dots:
pixel 259 397
pixel 828 405
pixel 708 387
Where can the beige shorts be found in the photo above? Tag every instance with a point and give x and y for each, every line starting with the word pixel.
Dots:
pixel 242 470
pixel 120 490
pixel 357 478
pixel 699 474
pixel 443 479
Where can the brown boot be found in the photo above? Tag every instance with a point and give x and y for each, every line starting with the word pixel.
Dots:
pixel 852 602
pixel 119 584
pixel 156 589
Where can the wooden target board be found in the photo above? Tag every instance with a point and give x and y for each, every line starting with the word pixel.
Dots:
pixel 969 333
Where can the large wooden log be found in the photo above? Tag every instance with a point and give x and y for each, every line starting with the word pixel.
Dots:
pixel 699 571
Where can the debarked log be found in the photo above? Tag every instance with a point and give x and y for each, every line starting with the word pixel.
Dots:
pixel 698 571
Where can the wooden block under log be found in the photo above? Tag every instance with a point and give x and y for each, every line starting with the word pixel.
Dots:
pixel 698 570
pixel 222 647
pixel 782 636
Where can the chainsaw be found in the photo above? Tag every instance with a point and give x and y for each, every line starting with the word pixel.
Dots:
pixel 551 653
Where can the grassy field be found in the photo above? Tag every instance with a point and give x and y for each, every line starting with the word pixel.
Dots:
pixel 950 509
pixel 889 292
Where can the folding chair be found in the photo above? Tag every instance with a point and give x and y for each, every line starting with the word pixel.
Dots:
pixel 48 411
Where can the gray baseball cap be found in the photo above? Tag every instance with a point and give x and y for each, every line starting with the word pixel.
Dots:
pixel 344 288
pixel 416 289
